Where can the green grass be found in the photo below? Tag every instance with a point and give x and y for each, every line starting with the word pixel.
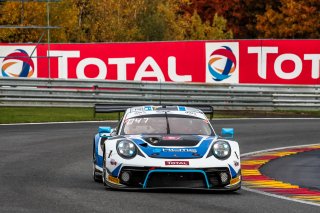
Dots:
pixel 55 114
pixel 50 114
pixel 267 114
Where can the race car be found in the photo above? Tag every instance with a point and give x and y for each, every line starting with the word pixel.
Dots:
pixel 156 147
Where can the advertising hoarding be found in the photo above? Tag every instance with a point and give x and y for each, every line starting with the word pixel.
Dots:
pixel 232 61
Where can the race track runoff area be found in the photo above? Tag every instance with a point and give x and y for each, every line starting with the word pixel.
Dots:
pixel 254 179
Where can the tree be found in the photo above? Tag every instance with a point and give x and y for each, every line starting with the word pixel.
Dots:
pixel 34 13
pixel 196 29
pixel 167 20
pixel 110 21
pixel 11 15
pixel 240 14
pixel 142 20
pixel 293 19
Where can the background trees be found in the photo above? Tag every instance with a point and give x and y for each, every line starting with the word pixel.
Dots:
pixel 157 20
pixel 291 19
pixel 263 18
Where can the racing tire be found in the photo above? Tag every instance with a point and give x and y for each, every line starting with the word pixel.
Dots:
pixel 97 177
pixel 104 171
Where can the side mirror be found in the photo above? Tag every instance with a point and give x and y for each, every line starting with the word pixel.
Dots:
pixel 105 131
pixel 227 132
pixel 113 133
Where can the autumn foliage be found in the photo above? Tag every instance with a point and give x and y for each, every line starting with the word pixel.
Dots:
pixel 157 20
pixel 292 19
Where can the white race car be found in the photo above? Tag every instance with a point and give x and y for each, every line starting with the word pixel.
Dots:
pixel 166 147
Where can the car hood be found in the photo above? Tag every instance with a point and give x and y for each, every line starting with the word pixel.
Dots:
pixel 172 140
pixel 173 146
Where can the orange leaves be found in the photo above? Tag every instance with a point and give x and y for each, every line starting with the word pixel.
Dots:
pixel 143 20
pixel 292 19
pixel 110 21
pixel 264 18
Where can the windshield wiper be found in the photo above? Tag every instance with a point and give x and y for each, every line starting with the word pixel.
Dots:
pixel 168 127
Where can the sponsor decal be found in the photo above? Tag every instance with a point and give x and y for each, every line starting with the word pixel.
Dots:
pixel 292 70
pixel 156 107
pixel 191 113
pixel 17 62
pixel 113 179
pixel 280 62
pixel 172 138
pixel 235 62
pixel 137 61
pixel 176 163
pixel 222 62
pixel 112 162
pixel 148 108
pixel 156 150
pixel 179 150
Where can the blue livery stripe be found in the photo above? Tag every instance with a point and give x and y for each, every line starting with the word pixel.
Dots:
pixel 115 172
pixel 233 172
pixel 99 159
pixel 151 151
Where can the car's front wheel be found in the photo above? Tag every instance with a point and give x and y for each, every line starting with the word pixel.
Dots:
pixel 97 177
pixel 104 171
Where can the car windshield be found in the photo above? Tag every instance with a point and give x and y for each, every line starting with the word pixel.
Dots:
pixel 181 125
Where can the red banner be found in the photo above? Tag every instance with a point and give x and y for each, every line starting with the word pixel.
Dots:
pixel 243 61
pixel 280 62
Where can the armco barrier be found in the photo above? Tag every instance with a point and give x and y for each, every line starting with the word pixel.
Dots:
pixel 86 93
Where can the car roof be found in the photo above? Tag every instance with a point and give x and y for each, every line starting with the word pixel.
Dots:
pixel 158 110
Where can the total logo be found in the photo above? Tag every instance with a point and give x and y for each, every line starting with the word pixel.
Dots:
pixel 222 62
pixel 17 62
pixel 179 150
pixel 177 163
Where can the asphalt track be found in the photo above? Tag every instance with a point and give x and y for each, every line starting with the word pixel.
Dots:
pixel 47 168
pixel 308 164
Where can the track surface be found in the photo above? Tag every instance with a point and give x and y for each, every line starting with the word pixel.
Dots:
pixel 47 168
pixel 301 169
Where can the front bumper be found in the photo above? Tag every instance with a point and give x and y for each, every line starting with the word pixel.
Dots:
pixel 162 178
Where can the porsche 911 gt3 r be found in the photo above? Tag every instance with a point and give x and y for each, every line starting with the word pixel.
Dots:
pixel 166 147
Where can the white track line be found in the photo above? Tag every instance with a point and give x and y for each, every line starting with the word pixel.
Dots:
pixel 276 149
pixel 274 195
pixel 279 196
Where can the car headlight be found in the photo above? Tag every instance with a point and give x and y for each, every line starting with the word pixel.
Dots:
pixel 126 149
pixel 221 149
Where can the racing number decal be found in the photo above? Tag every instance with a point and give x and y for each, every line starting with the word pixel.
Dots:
pixel 136 121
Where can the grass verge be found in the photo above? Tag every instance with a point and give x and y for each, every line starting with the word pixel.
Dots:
pixel 56 114
pixel 50 114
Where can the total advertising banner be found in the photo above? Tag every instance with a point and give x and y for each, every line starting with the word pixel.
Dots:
pixel 232 61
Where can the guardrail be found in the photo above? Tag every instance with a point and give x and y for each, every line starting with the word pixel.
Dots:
pixel 86 93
